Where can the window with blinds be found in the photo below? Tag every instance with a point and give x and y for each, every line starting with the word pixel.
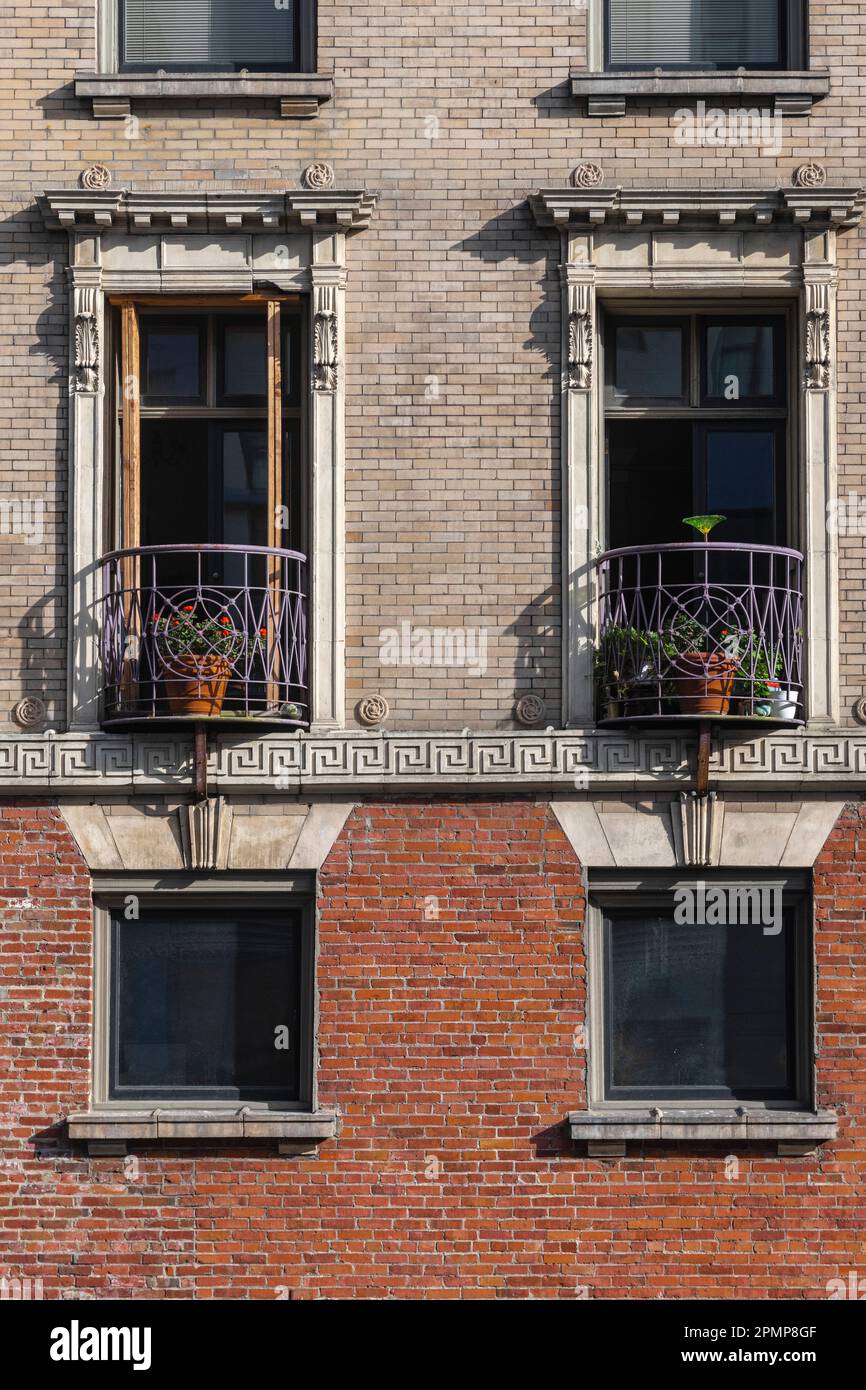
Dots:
pixel 226 34
pixel 695 33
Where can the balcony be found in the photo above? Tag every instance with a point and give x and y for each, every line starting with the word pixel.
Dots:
pixel 701 632
pixel 204 633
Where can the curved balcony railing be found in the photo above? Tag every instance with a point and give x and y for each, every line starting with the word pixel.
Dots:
pixel 700 630
pixel 204 632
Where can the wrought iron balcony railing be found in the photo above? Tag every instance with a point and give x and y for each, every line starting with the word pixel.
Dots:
pixel 204 632
pixel 700 630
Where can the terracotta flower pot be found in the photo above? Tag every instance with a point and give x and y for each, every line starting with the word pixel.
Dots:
pixel 197 684
pixel 704 681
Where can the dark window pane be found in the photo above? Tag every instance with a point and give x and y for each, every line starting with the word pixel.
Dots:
pixel 694 33
pixel 741 484
pixel 292 357
pixel 191 33
pixel 650 480
pixel 198 1000
pixel 172 361
pixel 244 361
pixel 702 1008
pixel 648 362
pixel 745 353
pixel 245 485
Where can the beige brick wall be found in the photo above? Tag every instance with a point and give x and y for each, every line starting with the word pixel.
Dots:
pixel 453 113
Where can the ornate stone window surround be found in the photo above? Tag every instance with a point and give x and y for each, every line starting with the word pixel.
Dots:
pixel 113 92
pixel 677 244
pixel 208 243
pixel 792 90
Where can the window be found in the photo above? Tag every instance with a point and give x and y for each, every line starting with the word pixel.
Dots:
pixel 697 423
pixel 703 994
pixel 212 35
pixel 211 1003
pixel 704 34
pixel 205 595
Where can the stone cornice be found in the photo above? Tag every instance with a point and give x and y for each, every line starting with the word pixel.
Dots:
pixel 233 210
pixel 358 763
pixel 815 208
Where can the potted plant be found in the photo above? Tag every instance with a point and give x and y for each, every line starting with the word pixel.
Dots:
pixel 196 652
pixel 627 671
pixel 702 673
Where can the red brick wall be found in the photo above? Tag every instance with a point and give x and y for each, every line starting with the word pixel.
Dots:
pixel 451 986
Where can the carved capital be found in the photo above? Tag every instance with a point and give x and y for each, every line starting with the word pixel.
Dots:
pixel 580 336
pixel 86 339
pixel 817 369
pixel 325 338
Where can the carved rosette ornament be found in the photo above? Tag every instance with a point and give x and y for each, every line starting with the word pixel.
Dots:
pixel 580 333
pixel 529 710
pixel 587 175
pixel 816 376
pixel 86 341
pixel 30 713
pixel 373 710
pixel 810 176
pixel 325 338
pixel 96 178
pixel 318 175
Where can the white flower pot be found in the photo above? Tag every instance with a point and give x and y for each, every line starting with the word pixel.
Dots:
pixel 784 705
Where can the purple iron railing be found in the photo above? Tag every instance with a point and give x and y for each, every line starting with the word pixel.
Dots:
pixel 703 630
pixel 224 623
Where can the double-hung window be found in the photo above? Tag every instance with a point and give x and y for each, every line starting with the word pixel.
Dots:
pixel 701 994
pixel 208 1002
pixel 704 34
pixel 213 35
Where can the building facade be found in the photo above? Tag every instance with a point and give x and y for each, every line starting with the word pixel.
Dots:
pixel 432 867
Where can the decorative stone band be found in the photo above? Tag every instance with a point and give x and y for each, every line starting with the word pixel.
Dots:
pixel 795 1132
pixel 726 207
pixel 191 209
pixel 110 1131
pixel 355 762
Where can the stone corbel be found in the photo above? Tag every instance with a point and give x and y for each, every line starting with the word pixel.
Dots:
pixel 205 831
pixel 817 372
pixel 580 337
pixel 697 826
pixel 326 338
pixel 87 347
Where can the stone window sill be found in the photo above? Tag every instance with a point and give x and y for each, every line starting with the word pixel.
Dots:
pixel 795 1132
pixel 608 93
pixel 112 94
pixel 110 1131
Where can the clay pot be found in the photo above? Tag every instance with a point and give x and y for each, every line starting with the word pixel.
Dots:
pixel 197 684
pixel 703 682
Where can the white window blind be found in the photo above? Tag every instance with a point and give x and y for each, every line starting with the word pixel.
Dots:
pixel 209 33
pixel 665 33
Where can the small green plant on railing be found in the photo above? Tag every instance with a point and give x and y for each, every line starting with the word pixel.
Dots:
pixel 183 632
pixel 703 524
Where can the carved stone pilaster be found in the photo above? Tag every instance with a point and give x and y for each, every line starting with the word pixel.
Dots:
pixel 580 337
pixel 86 340
pixel 205 830
pixel 816 375
pixel 325 338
